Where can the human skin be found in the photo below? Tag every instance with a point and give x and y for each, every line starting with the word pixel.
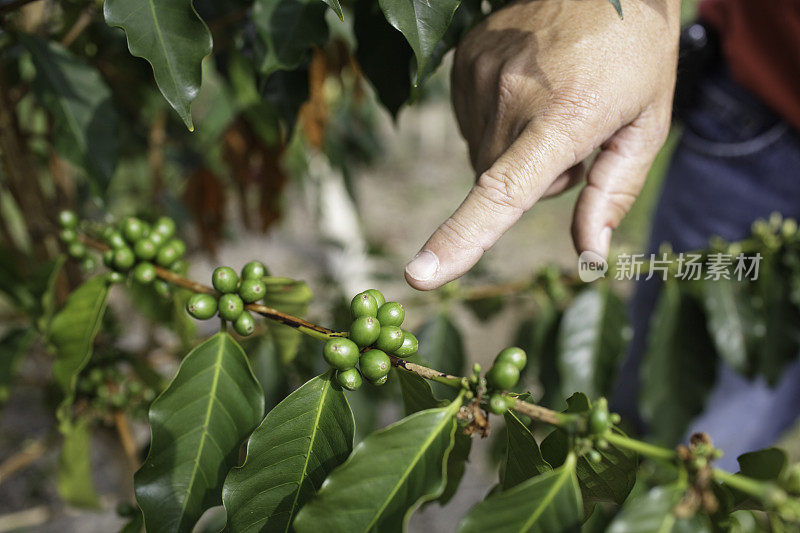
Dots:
pixel 538 87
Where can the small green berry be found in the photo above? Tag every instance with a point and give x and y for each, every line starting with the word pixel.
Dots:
pixel 254 270
pixel 124 258
pixel 594 456
pixel 599 418
pixel 133 229
pixel 502 376
pixel 68 219
pixel 363 304
pixel 340 353
pixel 224 279
pixel 391 314
pixel 77 250
pixel 230 306
pixel 378 295
pixel 145 249
pixel 170 252
pixel 88 264
pixel 349 379
pixel 144 273
pixel 365 330
pixel 157 239
pixel 515 356
pixel 165 226
pixel 390 339
pixel 245 325
pixel 116 240
pixel 380 381
pixel 181 266
pixel 68 235
pixel 108 258
pixel 202 306
pixel 118 399
pixel 410 345
pixel 162 288
pixel 252 289
pixel 498 404
pixel 96 376
pixel 374 364
pixel 115 277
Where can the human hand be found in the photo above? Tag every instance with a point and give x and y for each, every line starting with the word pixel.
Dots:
pixel 537 87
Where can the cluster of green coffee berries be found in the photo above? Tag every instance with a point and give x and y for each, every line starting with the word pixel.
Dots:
pixel 68 221
pixel 504 375
pixel 374 333
pixel 107 389
pixel 234 294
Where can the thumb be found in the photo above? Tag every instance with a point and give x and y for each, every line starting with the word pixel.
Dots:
pixel 509 188
pixel 613 183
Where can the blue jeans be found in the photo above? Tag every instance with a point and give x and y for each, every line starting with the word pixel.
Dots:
pixel 736 162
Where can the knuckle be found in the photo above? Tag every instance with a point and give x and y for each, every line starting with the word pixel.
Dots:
pixel 483 68
pixel 576 105
pixel 501 190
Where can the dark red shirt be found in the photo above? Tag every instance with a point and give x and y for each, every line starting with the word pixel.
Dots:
pixel 761 43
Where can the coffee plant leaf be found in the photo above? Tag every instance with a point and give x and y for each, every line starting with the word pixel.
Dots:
pixel 292 297
pixel 74 474
pixel 654 512
pixel 466 16
pixel 768 464
pixel 679 365
pixel 197 426
pixel 591 341
pixel 730 322
pixel 422 23
pixel 541 504
pixel 135 524
pixel 416 392
pixel 388 474
pixel 172 37
pixel 86 123
pixel 74 329
pixel 13 347
pixel 456 466
pixel 441 347
pixel 289 455
pixel 618 6
pixel 383 55
pixel 45 292
pixel 538 337
pixel 523 457
pixel 288 30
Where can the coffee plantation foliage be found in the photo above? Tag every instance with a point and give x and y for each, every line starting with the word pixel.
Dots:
pixel 259 417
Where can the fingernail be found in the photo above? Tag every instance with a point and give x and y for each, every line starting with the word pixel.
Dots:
pixel 605 241
pixel 424 266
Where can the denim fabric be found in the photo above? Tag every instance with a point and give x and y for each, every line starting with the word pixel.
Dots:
pixel 736 162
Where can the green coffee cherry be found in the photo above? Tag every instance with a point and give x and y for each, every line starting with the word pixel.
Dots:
pixel 230 306
pixel 162 288
pixel 349 379
pixel 224 279
pixel 170 252
pixel 374 364
pixel 599 419
pixel 77 250
pixel 180 266
pixel 365 330
pixel 391 314
pixel 115 277
pixel 68 219
pixel 108 258
pixel 254 270
pixel 380 381
pixel 594 456
pixel 340 353
pixel 502 376
pixel 498 404
pixel 363 304
pixel 378 295
pixel 68 235
pixel 133 229
pixel 165 226
pixel 144 273
pixel 88 264
pixel 158 239
pixel 515 356
pixel 245 325
pixel 116 240
pixel 124 258
pixel 410 345
pixel 145 249
pixel 252 290
pixel 390 339
pixel 202 306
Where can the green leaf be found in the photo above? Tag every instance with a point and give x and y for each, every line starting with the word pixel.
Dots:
pixel 135 524
pixel 591 341
pixel 47 294
pixel 292 297
pixel 86 125
pixel 456 465
pixel 523 457
pixel 388 474
pixel 768 464
pixel 337 8
pixel 486 308
pixel 538 337
pixel 289 456
pixel 416 391
pixel 267 368
pixel 288 29
pixel 618 6
pixel 13 346
pixel 172 37
pixel 653 512
pixel 465 17
pixel 74 475
pixel 545 503
pixel 197 424
pixel 679 365
pixel 422 23
pixel 441 347
pixel 729 322
pixel 74 328
pixel 383 55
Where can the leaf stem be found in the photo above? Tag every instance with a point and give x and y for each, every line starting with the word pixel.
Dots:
pixel 751 487
pixel 642 448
